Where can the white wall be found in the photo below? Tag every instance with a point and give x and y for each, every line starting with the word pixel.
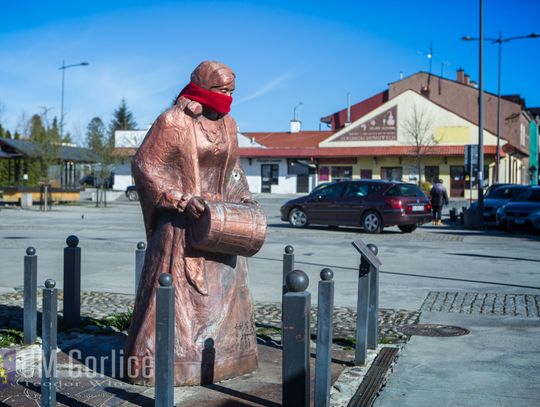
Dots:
pixel 121 182
pixel 286 183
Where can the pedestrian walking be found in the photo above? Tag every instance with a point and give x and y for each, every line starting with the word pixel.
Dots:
pixel 439 198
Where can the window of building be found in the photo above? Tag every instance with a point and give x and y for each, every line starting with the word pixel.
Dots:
pixel 270 174
pixel 392 173
pixel 432 173
pixel 340 173
pixel 324 174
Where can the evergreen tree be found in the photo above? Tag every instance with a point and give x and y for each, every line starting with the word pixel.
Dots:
pixel 37 130
pixel 16 136
pixel 122 119
pixel 1 131
pixel 53 132
pixel 8 134
pixel 47 142
pixel 95 134
pixel 103 148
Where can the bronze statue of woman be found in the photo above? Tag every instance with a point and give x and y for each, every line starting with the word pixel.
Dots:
pixel 188 159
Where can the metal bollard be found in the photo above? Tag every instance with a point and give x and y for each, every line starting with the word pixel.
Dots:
pixel 373 312
pixel 72 282
pixel 295 364
pixel 362 306
pixel 164 357
pixel 139 262
pixel 324 339
pixel 48 346
pixel 30 296
pixel 288 266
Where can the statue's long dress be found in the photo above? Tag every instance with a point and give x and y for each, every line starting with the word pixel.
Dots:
pixel 214 333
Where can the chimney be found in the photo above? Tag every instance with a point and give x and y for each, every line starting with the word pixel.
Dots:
pixel 467 79
pixel 295 126
pixel 461 75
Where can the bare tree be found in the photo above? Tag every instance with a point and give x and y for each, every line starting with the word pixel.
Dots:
pixel 419 133
pixel 23 125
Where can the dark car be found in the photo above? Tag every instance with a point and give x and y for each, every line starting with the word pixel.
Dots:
pixel 498 196
pixel 131 193
pixel 522 213
pixel 370 204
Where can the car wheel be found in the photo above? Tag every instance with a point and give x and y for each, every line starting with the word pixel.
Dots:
pixel 407 228
pixel 133 196
pixel 372 222
pixel 298 218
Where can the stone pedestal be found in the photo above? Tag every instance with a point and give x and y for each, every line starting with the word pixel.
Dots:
pixel 26 200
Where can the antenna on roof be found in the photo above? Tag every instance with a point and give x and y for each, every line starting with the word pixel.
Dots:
pixel 429 54
pixel 295 123
pixel 348 109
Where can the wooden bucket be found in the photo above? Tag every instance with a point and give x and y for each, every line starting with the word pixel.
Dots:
pixel 230 228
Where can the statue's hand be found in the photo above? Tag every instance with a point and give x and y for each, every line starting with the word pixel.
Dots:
pixel 251 201
pixel 195 207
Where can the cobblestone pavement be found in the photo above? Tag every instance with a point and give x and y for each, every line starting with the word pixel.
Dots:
pixel 518 305
pixel 267 315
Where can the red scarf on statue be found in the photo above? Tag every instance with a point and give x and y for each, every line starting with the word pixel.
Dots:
pixel 218 102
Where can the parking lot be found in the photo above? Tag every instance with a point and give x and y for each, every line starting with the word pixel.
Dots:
pixel 432 258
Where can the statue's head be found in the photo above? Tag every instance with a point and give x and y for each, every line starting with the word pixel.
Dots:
pixel 209 76
pixel 214 76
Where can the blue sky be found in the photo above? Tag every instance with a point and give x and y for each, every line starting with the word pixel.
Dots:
pixel 283 53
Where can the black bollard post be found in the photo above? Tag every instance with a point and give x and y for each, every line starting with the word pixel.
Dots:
pixel 30 296
pixel 48 345
pixel 139 262
pixel 288 266
pixel 72 282
pixel 362 306
pixel 373 318
pixel 295 364
pixel 324 339
pixel 164 357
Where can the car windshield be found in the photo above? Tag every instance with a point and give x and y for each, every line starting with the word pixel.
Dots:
pixel 405 190
pixel 530 195
pixel 319 187
pixel 506 193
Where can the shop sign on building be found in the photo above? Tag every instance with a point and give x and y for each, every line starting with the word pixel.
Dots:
pixel 381 127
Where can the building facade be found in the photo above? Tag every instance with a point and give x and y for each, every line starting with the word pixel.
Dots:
pixel 422 128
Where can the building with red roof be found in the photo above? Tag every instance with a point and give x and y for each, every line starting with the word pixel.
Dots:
pixel 417 131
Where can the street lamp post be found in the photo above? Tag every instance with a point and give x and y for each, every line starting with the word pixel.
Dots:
pixel 63 68
pixel 499 41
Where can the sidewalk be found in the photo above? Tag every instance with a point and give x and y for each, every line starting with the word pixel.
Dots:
pixel 496 364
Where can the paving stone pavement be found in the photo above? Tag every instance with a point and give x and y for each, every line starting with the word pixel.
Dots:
pixel 267 316
pixel 518 305
pixel 99 305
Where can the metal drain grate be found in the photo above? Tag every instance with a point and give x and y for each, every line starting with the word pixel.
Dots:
pixel 371 385
pixel 433 330
pixel 518 305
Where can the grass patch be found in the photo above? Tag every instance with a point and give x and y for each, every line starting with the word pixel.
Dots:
pixel 119 320
pixel 9 337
